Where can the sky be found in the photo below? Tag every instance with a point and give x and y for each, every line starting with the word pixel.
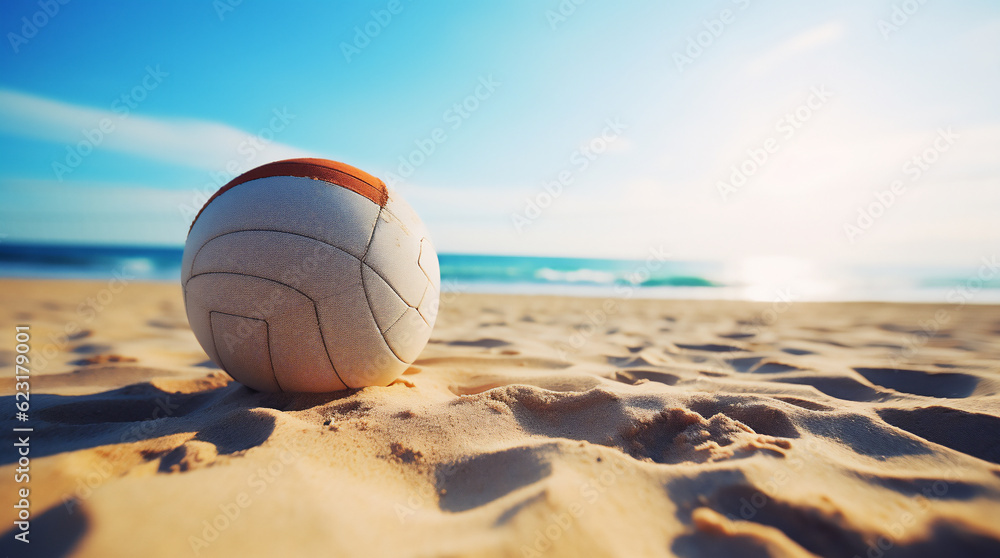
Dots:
pixel 857 131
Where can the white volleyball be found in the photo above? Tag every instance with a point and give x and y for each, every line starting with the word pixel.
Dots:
pixel 310 275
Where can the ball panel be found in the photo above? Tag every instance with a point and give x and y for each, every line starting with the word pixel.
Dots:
pixel 386 305
pixel 429 304
pixel 408 336
pixel 403 213
pixel 428 262
pixel 304 206
pixel 305 264
pixel 393 254
pixel 355 343
pixel 244 343
pixel 297 347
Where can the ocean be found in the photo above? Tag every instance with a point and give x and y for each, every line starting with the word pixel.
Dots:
pixel 766 279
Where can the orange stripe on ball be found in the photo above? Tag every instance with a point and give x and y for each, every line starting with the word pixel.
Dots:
pixel 336 173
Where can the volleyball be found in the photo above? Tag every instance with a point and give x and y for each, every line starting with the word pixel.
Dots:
pixel 310 275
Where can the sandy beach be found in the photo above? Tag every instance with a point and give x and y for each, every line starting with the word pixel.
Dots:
pixel 529 426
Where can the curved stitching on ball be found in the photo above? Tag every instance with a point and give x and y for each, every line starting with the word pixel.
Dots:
pixel 270 356
pixel 326 349
pixel 314 301
pixel 386 281
pixel 422 297
pixel 394 322
pixel 211 330
pixel 375 271
pixel 364 287
pixel 364 263
pixel 309 298
pixel 267 332
pixel 207 242
pixel 393 289
pixel 371 311
pixel 371 237
pixel 368 299
pixel 248 275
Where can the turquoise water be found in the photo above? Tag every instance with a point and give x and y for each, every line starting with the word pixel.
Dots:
pixel 649 278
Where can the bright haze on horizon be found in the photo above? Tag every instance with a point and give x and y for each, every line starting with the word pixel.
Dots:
pixel 836 132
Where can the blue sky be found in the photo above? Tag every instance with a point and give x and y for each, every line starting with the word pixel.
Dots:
pixel 826 104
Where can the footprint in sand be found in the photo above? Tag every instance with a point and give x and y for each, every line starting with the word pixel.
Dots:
pixel 775 367
pixel 760 365
pixel 102 359
pixel 681 436
pixel 207 364
pixel 736 336
pixel 974 434
pixel 710 347
pixel 629 361
pixel 91 348
pixel 483 343
pixel 929 384
pixel 633 377
pixel 488 477
pixel 805 403
pixel 835 385
pixel 763 418
pixel 191 455
pixel 797 352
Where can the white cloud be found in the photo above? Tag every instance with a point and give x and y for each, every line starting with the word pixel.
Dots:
pixel 807 40
pixel 92 212
pixel 188 142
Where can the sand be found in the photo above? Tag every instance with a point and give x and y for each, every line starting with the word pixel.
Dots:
pixel 530 426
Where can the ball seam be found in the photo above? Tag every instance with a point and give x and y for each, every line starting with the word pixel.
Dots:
pixel 315 314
